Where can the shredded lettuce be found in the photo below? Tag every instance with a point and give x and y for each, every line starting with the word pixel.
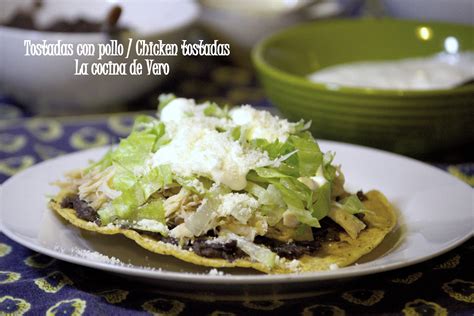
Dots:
pixel 152 210
pixel 272 205
pixel 133 151
pixel 123 178
pixel 272 196
pixel 102 164
pixel 297 196
pixel 134 177
pixel 192 184
pixel 304 217
pixel 216 111
pixel 273 214
pixel 255 189
pixel 143 122
pixel 290 197
pixel 351 224
pixel 351 204
pixel 275 149
pixel 136 195
pixel 270 173
pixel 151 225
pixel 323 201
pixel 156 179
pixel 308 152
pixel 236 133
pixel 255 252
pixel 329 170
pixel 302 126
pixel 201 221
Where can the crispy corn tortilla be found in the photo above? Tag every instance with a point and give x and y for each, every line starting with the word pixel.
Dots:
pixel 380 221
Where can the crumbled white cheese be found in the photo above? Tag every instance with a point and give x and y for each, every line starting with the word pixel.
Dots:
pixel 95 256
pixel 185 110
pixel 293 265
pixel 240 206
pixel 98 257
pixel 112 225
pixel 177 110
pixel 214 271
pixel 333 266
pixel 198 148
pixel 150 225
pixel 261 124
pixel 313 183
pixel 319 178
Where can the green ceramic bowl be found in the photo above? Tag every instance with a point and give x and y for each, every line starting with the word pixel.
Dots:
pixel 408 122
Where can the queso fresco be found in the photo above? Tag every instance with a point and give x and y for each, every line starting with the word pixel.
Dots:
pixel 441 71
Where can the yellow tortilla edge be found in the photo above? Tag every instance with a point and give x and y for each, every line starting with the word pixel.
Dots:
pixel 343 253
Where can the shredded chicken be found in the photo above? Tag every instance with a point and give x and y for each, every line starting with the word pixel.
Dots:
pixel 94 187
pixel 257 225
pixel 184 200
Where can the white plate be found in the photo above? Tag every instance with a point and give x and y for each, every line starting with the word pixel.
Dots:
pixel 435 210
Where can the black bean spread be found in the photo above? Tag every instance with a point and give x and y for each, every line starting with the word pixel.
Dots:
pixel 228 250
pixel 83 209
pixel 329 231
pixel 225 250
pixel 361 196
pixel 202 246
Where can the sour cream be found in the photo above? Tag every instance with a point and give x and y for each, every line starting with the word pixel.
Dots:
pixel 441 71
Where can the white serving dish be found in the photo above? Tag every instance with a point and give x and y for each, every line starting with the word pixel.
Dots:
pixel 435 215
pixel 46 85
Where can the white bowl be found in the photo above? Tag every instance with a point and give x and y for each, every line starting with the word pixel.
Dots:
pixel 245 22
pixel 47 85
pixel 456 11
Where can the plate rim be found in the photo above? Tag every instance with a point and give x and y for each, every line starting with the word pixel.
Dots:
pixel 251 279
